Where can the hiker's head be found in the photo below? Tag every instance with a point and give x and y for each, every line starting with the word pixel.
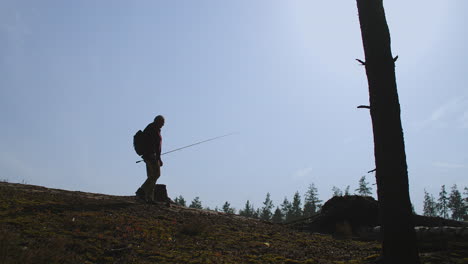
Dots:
pixel 159 121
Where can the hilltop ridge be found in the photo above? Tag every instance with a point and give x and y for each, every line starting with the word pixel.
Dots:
pixel 56 226
pixel 43 225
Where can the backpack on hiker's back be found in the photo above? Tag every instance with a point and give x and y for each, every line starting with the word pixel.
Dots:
pixel 141 143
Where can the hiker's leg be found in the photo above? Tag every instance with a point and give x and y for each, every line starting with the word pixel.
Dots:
pixel 153 172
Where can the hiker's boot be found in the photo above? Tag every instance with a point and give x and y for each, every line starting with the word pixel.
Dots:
pixel 140 194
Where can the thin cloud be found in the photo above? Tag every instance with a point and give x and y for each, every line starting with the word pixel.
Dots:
pixel 302 173
pixel 448 165
pixel 447 109
pixel 454 110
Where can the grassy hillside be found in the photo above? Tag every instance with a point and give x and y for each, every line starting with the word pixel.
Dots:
pixel 41 225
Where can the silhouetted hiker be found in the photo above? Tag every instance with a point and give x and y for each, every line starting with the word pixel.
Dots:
pixel 152 159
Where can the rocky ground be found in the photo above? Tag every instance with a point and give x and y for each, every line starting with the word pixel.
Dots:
pixel 42 225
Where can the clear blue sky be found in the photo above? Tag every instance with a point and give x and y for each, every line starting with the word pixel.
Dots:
pixel 79 78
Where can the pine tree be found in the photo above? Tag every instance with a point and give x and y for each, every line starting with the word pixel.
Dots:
pixel 265 213
pixel 346 192
pixel 277 216
pixel 286 207
pixel 180 201
pixel 465 202
pixel 336 191
pixel 227 208
pixel 442 205
pixel 430 208
pixel 256 214
pixel 196 203
pixel 296 209
pixel 311 201
pixel 455 203
pixel 248 210
pixel 364 189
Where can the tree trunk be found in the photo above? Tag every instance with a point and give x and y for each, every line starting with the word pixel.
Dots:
pixel 399 237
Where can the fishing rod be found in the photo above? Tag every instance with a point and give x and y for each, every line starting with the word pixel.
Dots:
pixel 191 145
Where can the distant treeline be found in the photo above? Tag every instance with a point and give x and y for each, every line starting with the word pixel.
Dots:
pixel 288 210
pixel 448 205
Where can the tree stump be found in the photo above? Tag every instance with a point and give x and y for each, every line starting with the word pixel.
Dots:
pixel 160 193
